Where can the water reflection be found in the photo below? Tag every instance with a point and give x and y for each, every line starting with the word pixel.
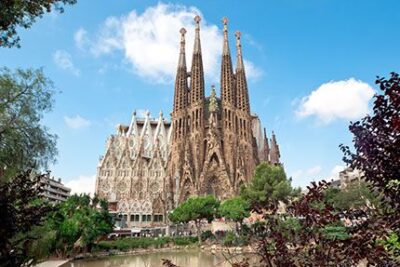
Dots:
pixel 181 258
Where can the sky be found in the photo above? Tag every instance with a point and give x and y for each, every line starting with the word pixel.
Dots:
pixel 311 68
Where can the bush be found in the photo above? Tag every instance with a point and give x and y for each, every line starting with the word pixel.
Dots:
pixel 144 242
pixel 207 235
pixel 184 241
pixel 230 239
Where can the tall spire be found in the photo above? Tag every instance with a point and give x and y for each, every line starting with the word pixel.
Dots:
pixel 197 46
pixel 180 97
pixel 266 147
pixel 241 81
pixel 225 49
pixel 274 152
pixel 182 56
pixel 197 73
pixel 227 90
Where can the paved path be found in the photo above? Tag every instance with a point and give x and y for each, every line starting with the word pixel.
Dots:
pixel 51 263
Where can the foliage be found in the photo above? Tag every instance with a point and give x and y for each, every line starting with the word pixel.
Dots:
pixel 326 237
pixel 269 184
pixel 356 195
pixel 144 242
pixel 377 142
pixel 196 209
pixel 77 223
pixel 235 209
pixel 19 13
pixel 229 239
pixel 24 142
pixel 207 235
pixel 21 210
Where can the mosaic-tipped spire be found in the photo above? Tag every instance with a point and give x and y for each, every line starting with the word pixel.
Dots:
pixel 241 81
pixel 197 72
pixel 181 87
pixel 182 56
pixel 228 95
pixel 197 46
pixel 225 49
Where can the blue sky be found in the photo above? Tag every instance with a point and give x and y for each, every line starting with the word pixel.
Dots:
pixel 311 66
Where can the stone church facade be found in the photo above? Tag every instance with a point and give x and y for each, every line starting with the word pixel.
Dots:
pixel 211 145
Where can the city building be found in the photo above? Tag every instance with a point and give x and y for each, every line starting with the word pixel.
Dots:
pixel 211 145
pixel 54 190
pixel 348 176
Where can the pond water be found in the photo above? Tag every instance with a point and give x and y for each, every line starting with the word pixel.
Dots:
pixel 181 258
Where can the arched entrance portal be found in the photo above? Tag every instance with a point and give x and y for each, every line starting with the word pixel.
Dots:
pixel 211 187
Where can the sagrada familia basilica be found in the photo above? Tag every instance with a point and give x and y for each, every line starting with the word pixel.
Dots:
pixel 211 145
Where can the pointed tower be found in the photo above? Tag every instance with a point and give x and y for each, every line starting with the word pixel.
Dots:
pixel 274 152
pixel 179 126
pixel 197 73
pixel 181 91
pixel 196 106
pixel 247 145
pixel 241 82
pixel 228 106
pixel 265 149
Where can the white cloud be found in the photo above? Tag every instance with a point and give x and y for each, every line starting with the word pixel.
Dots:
pixel 309 173
pixel 82 184
pixel 76 122
pixel 347 99
pixel 335 172
pixel 64 61
pixel 150 42
pixel 314 170
pixel 81 38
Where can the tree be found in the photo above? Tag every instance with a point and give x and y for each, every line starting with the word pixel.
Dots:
pixel 236 209
pixel 24 142
pixel 196 209
pixel 77 223
pixel 355 196
pixel 377 142
pixel 269 184
pixel 21 210
pixel 19 13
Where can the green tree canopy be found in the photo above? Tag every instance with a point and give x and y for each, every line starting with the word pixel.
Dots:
pixel 21 209
pixel 235 209
pixel 269 184
pixel 196 209
pixel 22 13
pixel 75 225
pixel 356 195
pixel 25 95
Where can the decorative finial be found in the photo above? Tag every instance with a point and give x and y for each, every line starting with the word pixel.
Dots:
pixel 225 22
pixel 161 113
pixel 197 19
pixel 147 113
pixel 134 112
pixel 183 32
pixel 238 34
pixel 182 49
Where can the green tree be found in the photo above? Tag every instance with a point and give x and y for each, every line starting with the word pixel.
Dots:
pixel 77 223
pixel 21 13
pixel 25 95
pixel 196 209
pixel 21 210
pixel 235 209
pixel 269 184
pixel 356 195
